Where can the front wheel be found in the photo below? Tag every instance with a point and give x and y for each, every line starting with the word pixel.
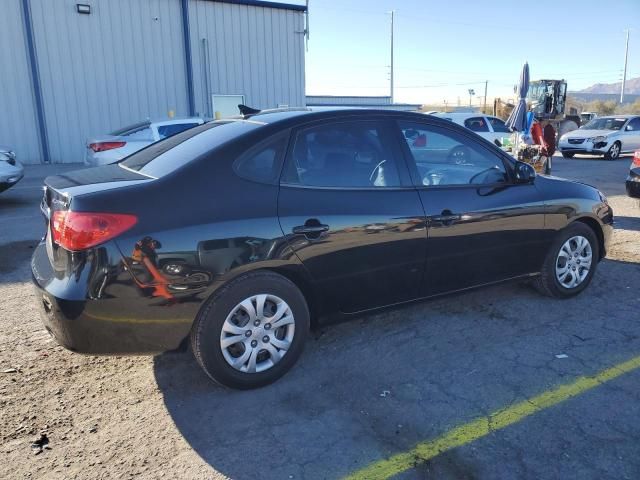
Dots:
pixel 614 151
pixel 568 154
pixel 252 331
pixel 570 263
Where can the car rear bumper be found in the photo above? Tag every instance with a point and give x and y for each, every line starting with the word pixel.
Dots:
pixel 98 308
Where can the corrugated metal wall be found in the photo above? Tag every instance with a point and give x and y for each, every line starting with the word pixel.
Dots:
pixel 18 125
pixel 245 50
pixel 122 63
pixel 346 100
pixel 126 62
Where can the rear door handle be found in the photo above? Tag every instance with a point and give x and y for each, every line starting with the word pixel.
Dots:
pixel 446 218
pixel 311 229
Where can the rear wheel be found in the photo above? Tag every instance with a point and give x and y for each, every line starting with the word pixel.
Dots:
pixel 570 263
pixel 252 331
pixel 614 151
pixel 568 154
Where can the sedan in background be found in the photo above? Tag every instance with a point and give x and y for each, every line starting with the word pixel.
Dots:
pixel 487 126
pixel 633 180
pixel 11 171
pixel 123 142
pixel 608 136
pixel 290 218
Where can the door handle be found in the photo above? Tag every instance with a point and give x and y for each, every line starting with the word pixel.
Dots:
pixel 312 228
pixel 446 218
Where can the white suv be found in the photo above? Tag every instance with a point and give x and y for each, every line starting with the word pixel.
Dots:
pixel 487 126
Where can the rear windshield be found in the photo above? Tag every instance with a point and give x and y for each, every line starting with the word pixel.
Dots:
pixel 167 155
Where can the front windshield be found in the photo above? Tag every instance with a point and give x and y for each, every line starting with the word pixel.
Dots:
pixel 605 124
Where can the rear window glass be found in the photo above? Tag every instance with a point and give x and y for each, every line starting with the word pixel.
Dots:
pixel 168 155
pixel 130 129
pixel 169 130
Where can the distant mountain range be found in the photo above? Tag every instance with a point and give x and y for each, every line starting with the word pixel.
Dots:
pixel 632 87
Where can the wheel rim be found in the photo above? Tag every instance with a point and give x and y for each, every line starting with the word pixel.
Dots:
pixel 574 262
pixel 257 333
pixel 615 150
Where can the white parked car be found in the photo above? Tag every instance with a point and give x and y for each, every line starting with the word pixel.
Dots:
pixel 125 141
pixel 487 126
pixel 11 171
pixel 608 136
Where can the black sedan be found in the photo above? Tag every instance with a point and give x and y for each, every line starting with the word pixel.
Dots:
pixel 633 180
pixel 239 235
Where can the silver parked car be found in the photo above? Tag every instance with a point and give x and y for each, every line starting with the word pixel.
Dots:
pixel 125 141
pixel 11 171
pixel 487 126
pixel 608 136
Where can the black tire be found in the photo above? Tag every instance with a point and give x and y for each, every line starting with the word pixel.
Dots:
pixel 568 154
pixel 547 166
pixel 206 331
pixel 547 283
pixel 614 151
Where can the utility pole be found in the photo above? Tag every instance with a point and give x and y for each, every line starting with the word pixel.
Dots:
pixel 484 108
pixel 391 77
pixel 624 75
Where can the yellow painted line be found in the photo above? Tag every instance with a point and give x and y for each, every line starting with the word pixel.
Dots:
pixel 482 427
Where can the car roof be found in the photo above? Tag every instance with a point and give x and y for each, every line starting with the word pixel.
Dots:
pixel 461 114
pixel 172 121
pixel 308 114
pixel 626 117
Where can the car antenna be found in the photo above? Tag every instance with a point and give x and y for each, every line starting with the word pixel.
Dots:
pixel 247 111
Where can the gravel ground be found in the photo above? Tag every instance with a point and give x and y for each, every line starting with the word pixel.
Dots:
pixel 362 390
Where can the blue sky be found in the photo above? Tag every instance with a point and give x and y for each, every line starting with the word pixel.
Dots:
pixel 443 48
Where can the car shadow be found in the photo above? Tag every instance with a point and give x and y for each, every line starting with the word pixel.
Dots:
pixel 15 255
pixel 379 384
pixel 627 223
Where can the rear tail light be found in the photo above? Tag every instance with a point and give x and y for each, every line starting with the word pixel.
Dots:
pixel 81 230
pixel 103 146
pixel 636 158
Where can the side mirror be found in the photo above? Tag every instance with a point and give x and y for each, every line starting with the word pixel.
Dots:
pixel 524 172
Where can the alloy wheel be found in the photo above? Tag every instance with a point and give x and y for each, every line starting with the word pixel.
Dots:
pixel 257 333
pixel 573 262
pixel 615 151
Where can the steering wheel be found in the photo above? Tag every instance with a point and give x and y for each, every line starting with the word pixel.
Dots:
pixel 486 170
pixel 459 154
pixel 375 169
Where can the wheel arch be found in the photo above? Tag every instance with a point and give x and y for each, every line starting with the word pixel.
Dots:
pixel 293 273
pixel 594 225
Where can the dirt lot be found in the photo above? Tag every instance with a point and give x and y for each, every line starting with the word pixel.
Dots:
pixel 361 392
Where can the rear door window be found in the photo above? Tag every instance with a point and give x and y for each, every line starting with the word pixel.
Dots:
pixel 477 124
pixel 351 154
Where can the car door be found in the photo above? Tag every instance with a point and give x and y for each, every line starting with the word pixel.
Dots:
pixel 351 215
pixel 631 135
pixel 482 226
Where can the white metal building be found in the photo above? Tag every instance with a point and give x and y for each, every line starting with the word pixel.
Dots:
pixel 380 103
pixel 71 70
